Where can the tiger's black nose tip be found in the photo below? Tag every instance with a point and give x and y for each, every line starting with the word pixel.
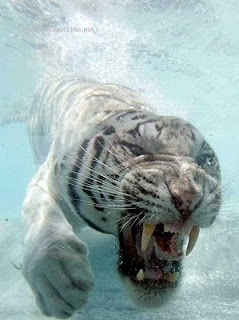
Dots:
pixel 180 206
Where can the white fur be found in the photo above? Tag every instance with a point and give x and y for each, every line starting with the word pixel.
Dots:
pixel 55 260
pixel 65 115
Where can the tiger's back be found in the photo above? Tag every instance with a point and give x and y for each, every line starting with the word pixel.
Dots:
pixel 76 103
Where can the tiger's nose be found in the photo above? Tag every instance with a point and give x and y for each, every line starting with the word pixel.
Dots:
pixel 187 191
pixel 186 201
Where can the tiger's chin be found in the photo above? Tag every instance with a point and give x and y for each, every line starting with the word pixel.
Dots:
pixel 149 293
pixel 150 261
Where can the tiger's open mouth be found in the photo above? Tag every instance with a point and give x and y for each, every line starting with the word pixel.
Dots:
pixel 150 255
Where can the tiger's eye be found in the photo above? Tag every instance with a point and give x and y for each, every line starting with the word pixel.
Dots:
pixel 206 160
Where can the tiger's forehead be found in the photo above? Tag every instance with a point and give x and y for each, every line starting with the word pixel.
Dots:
pixel 179 137
pixel 168 135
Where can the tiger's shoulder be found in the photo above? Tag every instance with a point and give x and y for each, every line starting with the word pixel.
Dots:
pixel 71 105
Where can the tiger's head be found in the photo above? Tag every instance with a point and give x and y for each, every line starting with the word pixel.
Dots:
pixel 153 182
pixel 171 188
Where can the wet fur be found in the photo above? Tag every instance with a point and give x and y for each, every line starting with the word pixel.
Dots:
pixel 94 143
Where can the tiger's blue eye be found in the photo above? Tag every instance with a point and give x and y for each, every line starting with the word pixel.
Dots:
pixel 206 160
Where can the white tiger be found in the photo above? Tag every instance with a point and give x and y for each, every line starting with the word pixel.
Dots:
pixel 110 162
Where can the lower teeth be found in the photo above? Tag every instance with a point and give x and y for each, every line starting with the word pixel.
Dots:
pixel 140 275
pixel 172 277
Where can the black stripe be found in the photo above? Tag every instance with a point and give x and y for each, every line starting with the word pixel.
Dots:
pixel 140 189
pixel 98 147
pixel 147 180
pixel 109 130
pixel 141 117
pixel 92 225
pixel 134 149
pixel 124 114
pixel 73 176
pixel 149 121
pixel 136 131
pixel 75 199
pixel 158 129
pixel 193 135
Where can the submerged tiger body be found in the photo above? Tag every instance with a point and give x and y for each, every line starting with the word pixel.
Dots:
pixel 107 160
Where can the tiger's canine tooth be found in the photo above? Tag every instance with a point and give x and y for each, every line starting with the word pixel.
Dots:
pixel 172 277
pixel 188 231
pixel 148 230
pixel 140 275
pixel 192 239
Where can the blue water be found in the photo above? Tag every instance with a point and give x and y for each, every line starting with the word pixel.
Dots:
pixel 183 56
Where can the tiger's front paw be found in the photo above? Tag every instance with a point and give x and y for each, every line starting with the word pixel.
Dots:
pixel 59 273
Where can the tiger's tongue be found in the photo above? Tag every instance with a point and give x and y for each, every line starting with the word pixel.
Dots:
pixel 168 243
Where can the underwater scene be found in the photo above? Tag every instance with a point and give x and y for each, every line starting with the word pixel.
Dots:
pixel 176 59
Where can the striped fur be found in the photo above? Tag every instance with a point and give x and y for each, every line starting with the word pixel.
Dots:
pixel 108 160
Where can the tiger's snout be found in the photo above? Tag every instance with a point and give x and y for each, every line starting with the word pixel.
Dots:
pixel 186 188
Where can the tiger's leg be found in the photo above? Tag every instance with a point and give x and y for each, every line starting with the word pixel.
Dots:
pixel 55 260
